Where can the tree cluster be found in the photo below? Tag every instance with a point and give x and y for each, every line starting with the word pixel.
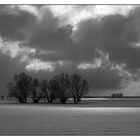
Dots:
pixel 61 86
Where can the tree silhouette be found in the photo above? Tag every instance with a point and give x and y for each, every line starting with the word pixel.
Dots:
pixel 60 87
pixel 20 87
pixel 78 87
pixel 35 93
pixel 45 89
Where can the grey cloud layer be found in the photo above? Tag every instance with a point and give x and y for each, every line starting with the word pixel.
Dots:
pixel 15 26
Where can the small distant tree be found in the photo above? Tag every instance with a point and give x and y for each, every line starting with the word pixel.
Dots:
pixel 36 95
pixel 117 95
pixel 45 89
pixel 60 87
pixel 79 87
pixel 20 87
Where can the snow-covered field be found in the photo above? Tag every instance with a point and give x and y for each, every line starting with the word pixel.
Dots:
pixel 29 119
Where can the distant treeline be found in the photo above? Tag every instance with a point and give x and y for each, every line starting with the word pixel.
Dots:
pixel 61 86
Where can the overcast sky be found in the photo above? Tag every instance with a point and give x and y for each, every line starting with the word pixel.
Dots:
pixel 100 42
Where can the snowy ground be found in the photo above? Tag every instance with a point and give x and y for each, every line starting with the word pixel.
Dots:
pixel 42 119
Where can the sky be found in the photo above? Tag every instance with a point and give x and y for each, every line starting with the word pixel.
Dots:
pixel 99 42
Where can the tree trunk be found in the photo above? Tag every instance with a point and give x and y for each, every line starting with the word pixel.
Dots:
pixel 78 100
pixel 74 99
pixel 51 99
pixel 63 100
pixel 35 100
pixel 25 100
pixel 48 99
pixel 20 100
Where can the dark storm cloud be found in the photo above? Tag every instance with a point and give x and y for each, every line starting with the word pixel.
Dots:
pixel 114 34
pixel 15 25
pixel 61 42
pixel 50 39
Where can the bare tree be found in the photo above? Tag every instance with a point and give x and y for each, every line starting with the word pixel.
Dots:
pixel 20 87
pixel 45 89
pixel 35 93
pixel 60 87
pixel 78 88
